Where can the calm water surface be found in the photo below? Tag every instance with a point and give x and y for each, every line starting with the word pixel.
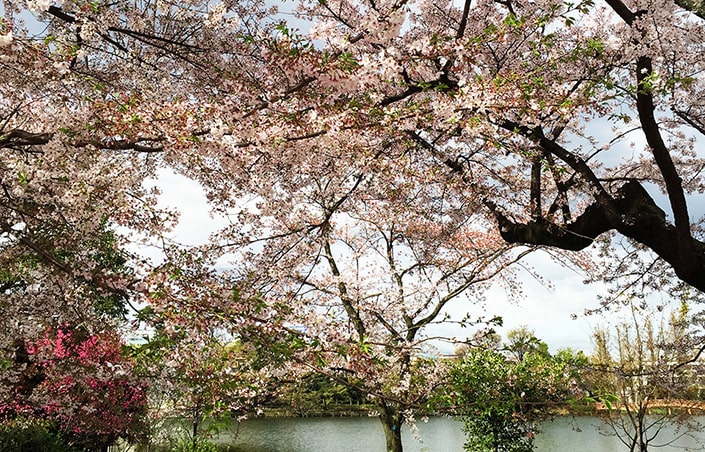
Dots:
pixel 437 435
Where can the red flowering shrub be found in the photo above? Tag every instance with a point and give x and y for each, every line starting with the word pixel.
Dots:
pixel 84 385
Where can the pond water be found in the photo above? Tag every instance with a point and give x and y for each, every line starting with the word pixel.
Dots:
pixel 362 434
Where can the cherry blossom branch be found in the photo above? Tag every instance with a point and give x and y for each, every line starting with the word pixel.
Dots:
pixel 124 145
pixel 463 20
pixel 348 303
pixel 472 280
pixel 662 156
pixel 143 37
pixel 16 138
pixel 622 10
pixel 697 125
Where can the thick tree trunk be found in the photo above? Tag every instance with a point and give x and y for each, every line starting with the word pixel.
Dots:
pixel 392 421
pixel 634 214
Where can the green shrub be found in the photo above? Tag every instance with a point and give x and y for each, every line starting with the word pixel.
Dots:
pixel 31 436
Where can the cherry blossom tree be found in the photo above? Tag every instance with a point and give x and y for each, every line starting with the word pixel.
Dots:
pixel 344 275
pixel 513 99
pixel 353 272
pixel 505 95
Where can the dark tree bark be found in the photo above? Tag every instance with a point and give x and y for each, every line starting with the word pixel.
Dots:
pixel 637 217
pixel 392 421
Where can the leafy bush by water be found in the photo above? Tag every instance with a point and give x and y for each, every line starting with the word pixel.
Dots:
pixel 31 436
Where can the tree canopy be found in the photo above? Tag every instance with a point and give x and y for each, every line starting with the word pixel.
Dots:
pixel 527 108
pixel 343 140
